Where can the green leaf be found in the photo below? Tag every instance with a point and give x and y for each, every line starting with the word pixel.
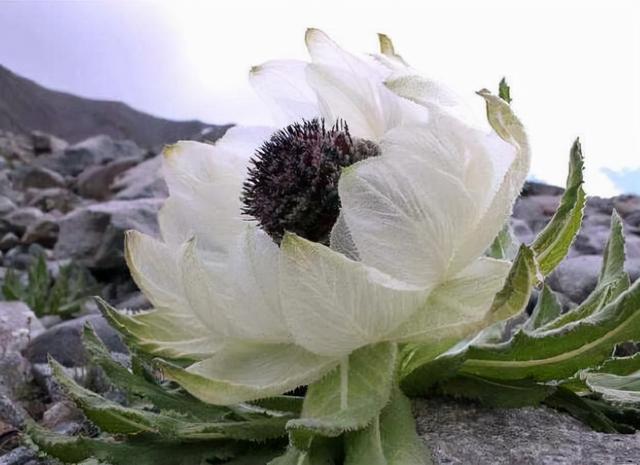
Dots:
pixel 390 439
pixel 554 241
pixel 504 91
pixel 496 393
pixel 349 397
pixel 583 410
pixel 140 389
pixel 515 293
pixel 547 309
pixel 137 450
pixel 613 280
pixel 504 246
pixel 559 353
pixel 617 389
pixel 117 419
pixel 613 256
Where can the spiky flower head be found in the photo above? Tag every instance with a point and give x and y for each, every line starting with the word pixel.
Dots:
pixel 292 182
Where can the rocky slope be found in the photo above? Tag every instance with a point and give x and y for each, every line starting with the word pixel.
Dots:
pixel 26 106
pixel 73 202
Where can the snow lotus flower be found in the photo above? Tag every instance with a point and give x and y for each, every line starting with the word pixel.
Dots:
pixel 252 307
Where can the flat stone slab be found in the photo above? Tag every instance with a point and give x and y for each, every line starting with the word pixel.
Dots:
pixel 468 434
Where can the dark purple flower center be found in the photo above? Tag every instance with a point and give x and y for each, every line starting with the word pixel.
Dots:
pixel 292 183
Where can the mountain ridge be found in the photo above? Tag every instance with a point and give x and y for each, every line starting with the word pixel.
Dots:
pixel 27 106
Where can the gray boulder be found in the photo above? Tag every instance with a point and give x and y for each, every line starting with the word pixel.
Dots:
pixel 54 198
pixel 44 232
pixel 94 235
pixel 96 150
pixel 95 181
pixel 142 181
pixel 21 218
pixel 18 326
pixel 467 434
pixel 577 276
pixel 536 211
pixel 64 341
pixel 39 177
pixel 46 143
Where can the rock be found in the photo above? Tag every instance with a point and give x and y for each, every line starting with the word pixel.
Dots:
pixel 18 325
pixel 633 219
pixel 11 412
pixel 577 276
pixel 468 434
pixel 93 235
pixel 536 211
pixel 64 341
pixel 14 374
pixel 135 301
pixel 95 181
pixel 25 456
pixel 54 198
pixel 6 205
pixel 534 188
pixel 36 176
pixel 63 417
pixel 96 150
pixel 43 232
pixel 626 204
pixel 521 230
pixel 600 205
pixel 21 218
pixel 46 143
pixel 9 241
pixel 142 181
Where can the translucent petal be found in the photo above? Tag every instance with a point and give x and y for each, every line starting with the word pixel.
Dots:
pixel 459 305
pixel 154 268
pixel 510 158
pixel 334 305
pixel 164 333
pixel 237 294
pixel 249 373
pixel 405 215
pixel 283 84
pixel 205 182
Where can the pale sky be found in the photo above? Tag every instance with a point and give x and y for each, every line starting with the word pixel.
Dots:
pixel 574 69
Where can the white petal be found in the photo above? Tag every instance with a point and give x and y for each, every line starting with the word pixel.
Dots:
pixel 283 84
pixel 165 333
pixel 205 182
pixel 406 216
pixel 510 158
pixel 341 240
pixel 154 268
pixel 237 294
pixel 250 372
pixel 334 305
pixel 458 306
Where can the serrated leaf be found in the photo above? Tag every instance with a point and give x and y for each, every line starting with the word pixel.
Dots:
pixel 140 389
pixel 553 243
pixel 504 91
pixel 137 450
pixel 348 398
pixel 547 309
pixel 559 353
pixel 117 419
pixel 496 393
pixel 612 281
pixel 390 439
